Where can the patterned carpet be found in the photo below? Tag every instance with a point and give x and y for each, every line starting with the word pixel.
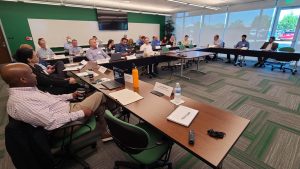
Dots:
pixel 271 100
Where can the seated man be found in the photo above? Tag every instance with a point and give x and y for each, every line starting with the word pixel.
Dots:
pixel 50 70
pixel 75 49
pixel 218 43
pixel 53 85
pixel 140 40
pixel 43 53
pixel 122 47
pixel 267 46
pixel 95 53
pixel 147 48
pixel 241 44
pixel 155 42
pixel 28 104
pixel 186 41
pixel 68 44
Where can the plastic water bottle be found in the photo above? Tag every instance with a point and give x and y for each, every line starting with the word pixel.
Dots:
pixel 177 93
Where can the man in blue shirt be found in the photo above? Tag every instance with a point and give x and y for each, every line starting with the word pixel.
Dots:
pixel 155 42
pixel 240 45
pixel 122 47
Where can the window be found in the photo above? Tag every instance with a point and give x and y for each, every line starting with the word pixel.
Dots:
pixel 286 26
pixel 212 25
pixel 263 27
pixel 239 23
pixel 192 27
pixel 297 45
pixel 179 29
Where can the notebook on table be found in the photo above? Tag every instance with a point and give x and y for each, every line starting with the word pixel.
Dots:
pixel 183 115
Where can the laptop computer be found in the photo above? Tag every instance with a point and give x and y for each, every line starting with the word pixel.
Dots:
pixel 118 81
pixel 115 57
pixel 139 54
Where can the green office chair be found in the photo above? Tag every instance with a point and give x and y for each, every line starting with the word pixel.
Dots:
pixel 191 46
pixel 165 49
pixel 71 141
pixel 283 63
pixel 144 144
pixel 181 47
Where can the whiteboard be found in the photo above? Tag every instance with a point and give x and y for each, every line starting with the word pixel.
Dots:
pixel 56 31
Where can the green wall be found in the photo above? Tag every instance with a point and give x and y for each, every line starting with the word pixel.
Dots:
pixel 14 17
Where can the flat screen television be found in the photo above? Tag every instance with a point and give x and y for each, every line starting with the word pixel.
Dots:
pixel 112 20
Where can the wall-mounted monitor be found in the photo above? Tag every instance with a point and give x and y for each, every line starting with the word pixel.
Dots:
pixel 112 20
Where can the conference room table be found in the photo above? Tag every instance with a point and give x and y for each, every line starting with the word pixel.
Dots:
pixel 281 56
pixel 188 55
pixel 154 110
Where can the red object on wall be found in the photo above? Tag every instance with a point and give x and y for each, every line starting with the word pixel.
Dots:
pixel 28 38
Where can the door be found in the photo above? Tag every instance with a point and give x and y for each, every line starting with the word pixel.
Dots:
pixel 4 54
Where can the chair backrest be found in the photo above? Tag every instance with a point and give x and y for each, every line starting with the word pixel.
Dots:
pixel 287 49
pixel 181 47
pixel 165 49
pixel 223 44
pixel 128 137
pixel 28 146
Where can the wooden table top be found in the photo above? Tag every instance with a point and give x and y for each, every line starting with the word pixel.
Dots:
pixel 154 110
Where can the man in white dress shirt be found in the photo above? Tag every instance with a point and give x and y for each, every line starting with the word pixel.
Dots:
pixel 28 104
pixel 147 48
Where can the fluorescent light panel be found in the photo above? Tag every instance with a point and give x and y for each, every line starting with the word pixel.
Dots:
pixel 196 5
pixel 178 2
pixel 78 6
pixel 201 6
pixel 43 2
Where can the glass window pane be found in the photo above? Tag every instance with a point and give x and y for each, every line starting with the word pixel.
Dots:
pixel 286 26
pixel 297 45
pixel 239 23
pixel 192 28
pixel 264 27
pixel 212 25
pixel 179 29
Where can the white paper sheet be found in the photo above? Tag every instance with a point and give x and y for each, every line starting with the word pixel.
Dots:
pixel 126 96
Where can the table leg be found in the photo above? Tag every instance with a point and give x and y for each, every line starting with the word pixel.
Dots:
pixel 181 71
pixel 197 70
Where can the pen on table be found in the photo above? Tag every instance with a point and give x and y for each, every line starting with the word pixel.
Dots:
pixel 185 115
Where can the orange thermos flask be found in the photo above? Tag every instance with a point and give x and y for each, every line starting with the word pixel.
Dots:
pixel 135 77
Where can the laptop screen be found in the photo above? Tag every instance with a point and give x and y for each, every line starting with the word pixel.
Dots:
pixel 119 75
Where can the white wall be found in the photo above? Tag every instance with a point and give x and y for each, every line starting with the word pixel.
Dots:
pixel 55 31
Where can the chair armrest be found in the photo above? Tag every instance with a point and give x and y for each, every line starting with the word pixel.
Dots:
pixel 71 124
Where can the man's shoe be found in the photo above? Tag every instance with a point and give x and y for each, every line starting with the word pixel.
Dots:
pixel 228 61
pixel 105 137
pixel 256 64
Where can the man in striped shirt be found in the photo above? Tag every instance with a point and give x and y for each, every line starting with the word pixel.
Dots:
pixel 28 104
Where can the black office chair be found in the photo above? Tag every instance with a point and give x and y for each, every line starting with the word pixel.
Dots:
pixel 282 63
pixel 33 148
pixel 143 143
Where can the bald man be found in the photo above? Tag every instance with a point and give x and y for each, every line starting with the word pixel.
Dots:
pixel 28 104
pixel 95 53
